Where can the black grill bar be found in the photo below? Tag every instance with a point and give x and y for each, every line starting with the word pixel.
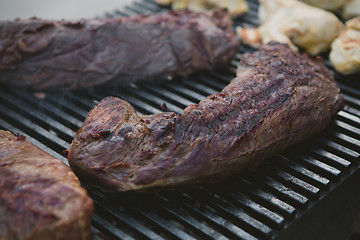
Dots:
pixel 301 172
pixel 103 225
pixel 270 218
pixel 200 207
pixel 186 219
pixel 319 166
pixel 268 199
pixel 296 183
pixel 258 204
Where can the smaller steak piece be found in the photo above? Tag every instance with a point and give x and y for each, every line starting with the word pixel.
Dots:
pixel 42 54
pixel 40 197
pixel 279 97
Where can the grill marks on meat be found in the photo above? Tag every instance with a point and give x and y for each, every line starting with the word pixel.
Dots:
pixel 42 54
pixel 279 97
pixel 40 197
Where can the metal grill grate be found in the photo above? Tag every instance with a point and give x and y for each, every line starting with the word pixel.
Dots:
pixel 254 205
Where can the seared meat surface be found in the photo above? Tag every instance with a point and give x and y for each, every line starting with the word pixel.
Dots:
pixel 278 98
pixel 40 197
pixel 41 54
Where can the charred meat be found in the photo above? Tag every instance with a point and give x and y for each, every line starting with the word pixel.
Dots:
pixel 40 197
pixel 41 54
pixel 278 98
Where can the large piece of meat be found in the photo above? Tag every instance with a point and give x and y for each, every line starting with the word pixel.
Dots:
pixel 279 97
pixel 42 54
pixel 40 197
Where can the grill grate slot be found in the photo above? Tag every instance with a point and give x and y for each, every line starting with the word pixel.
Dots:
pixel 349 117
pixel 124 218
pixel 335 160
pixel 348 128
pixel 70 107
pixel 51 110
pixel 103 225
pixel 240 200
pixel 209 215
pixel 186 92
pixel 339 149
pixel 267 216
pixel 42 119
pixel 177 100
pixel 302 172
pixel 48 137
pixel 257 204
pixel 286 193
pixel 188 219
pixel 296 184
pixel 236 214
pixel 345 140
pixel 267 199
pixel 318 166
pixel 162 219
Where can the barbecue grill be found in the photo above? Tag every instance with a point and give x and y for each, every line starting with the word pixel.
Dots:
pixel 306 192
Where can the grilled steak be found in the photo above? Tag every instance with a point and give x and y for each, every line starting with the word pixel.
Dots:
pixel 40 197
pixel 41 54
pixel 279 97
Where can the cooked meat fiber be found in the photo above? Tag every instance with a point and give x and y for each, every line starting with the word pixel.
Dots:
pixel 279 97
pixel 40 197
pixel 42 54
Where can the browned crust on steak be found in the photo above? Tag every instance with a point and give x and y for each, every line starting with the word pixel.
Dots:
pixel 279 97
pixel 43 54
pixel 40 197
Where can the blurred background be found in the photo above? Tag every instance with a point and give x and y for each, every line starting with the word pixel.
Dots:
pixel 50 9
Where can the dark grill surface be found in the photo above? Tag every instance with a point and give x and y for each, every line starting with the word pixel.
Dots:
pixel 258 204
